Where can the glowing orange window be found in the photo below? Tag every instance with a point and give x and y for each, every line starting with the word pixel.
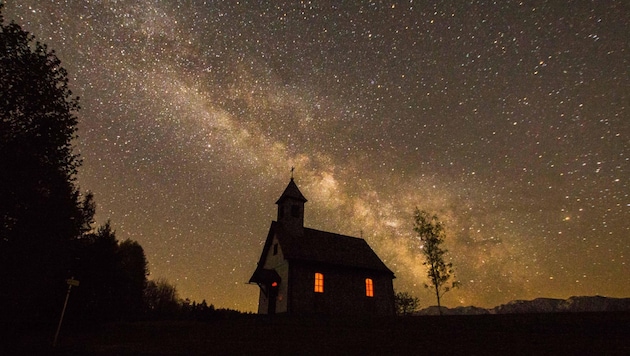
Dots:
pixel 369 287
pixel 319 283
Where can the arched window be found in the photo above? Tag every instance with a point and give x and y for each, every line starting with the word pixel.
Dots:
pixel 319 283
pixel 369 287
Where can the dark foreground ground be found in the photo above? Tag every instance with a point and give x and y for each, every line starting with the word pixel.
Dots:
pixel 522 334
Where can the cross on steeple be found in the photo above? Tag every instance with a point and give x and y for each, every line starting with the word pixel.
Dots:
pixel 292 169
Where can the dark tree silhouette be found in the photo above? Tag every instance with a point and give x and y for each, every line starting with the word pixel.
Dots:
pixel 431 233
pixel 113 277
pixel 133 272
pixel 161 299
pixel 406 303
pixel 197 311
pixel 97 270
pixel 41 209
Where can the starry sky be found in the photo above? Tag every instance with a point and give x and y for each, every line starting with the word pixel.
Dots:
pixel 508 119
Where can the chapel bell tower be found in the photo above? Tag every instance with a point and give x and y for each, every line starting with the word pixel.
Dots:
pixel 291 208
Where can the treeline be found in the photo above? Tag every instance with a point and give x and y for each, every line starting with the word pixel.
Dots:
pixel 185 309
pixel 47 230
pixel 162 302
pixel 114 285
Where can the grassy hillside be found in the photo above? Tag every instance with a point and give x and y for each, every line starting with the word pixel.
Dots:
pixel 566 334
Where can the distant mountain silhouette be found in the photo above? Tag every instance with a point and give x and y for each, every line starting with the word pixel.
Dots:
pixel 540 305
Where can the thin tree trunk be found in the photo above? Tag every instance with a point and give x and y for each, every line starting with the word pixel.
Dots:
pixel 436 286
pixel 437 294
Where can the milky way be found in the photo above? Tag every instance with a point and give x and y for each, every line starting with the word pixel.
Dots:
pixel 509 119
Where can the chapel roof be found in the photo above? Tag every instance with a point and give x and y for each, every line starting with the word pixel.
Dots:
pixel 328 248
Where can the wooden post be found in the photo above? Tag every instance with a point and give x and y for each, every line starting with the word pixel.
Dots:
pixel 71 282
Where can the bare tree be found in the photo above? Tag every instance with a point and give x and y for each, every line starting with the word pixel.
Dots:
pixel 431 233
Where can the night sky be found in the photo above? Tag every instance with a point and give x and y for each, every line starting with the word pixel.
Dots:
pixel 508 119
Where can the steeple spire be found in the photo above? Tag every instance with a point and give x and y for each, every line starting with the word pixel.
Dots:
pixel 291 208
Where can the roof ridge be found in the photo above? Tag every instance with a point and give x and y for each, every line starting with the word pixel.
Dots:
pixel 333 233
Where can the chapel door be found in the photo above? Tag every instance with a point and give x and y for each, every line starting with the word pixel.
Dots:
pixel 273 296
